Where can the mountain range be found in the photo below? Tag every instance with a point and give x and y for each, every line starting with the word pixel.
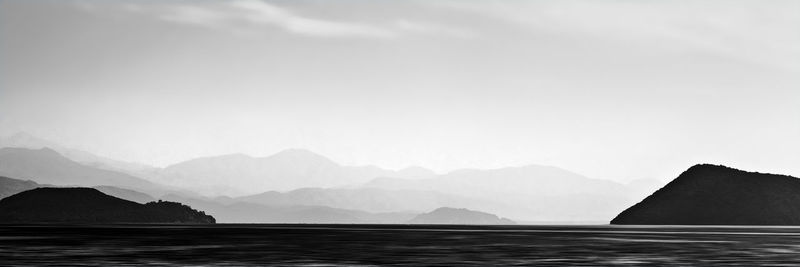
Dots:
pixel 239 174
pixel 299 186
pixel 300 178
pixel 25 140
pixel 246 212
pixel 371 199
pixel 48 166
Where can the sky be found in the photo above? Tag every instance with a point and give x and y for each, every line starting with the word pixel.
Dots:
pixel 616 90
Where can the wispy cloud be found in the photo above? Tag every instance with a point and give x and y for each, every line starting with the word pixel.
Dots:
pixel 430 28
pixel 746 30
pixel 260 12
pixel 255 16
pixel 195 15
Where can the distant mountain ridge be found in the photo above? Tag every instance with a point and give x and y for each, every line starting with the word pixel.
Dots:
pixel 298 177
pixel 25 140
pixel 287 170
pixel 530 193
pixel 49 167
pixel 88 205
pixel 245 212
pixel 369 199
pixel 717 195
pixel 539 179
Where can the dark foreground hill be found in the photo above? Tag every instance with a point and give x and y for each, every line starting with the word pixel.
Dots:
pixel 717 195
pixel 458 216
pixel 88 205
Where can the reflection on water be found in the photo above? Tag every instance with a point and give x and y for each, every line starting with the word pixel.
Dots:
pixel 397 245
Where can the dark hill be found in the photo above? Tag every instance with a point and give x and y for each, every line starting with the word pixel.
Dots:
pixel 88 205
pixel 446 215
pixel 717 195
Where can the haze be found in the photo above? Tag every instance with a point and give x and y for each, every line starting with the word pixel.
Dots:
pixel 617 90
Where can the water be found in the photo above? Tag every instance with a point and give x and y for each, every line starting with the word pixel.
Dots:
pixel 395 245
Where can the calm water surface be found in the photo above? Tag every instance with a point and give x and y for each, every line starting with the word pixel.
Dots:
pixel 395 245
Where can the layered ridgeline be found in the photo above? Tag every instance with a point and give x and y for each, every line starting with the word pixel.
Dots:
pixel 232 211
pixel 88 205
pixel 25 140
pixel 11 186
pixel 47 166
pixel 239 174
pixel 447 215
pixel 718 195
pixel 294 179
pixel 527 193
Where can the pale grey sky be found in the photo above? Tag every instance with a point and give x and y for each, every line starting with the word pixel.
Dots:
pixel 610 89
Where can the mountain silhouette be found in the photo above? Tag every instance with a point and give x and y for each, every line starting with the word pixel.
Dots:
pixel 49 167
pixel 88 205
pixel 717 195
pixel 447 215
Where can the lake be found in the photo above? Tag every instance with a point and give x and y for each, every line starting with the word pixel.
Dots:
pixel 395 245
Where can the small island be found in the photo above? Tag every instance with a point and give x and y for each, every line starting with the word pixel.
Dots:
pixel 447 215
pixel 89 205
pixel 717 195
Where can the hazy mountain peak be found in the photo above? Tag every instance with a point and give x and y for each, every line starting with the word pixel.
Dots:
pixel 49 150
pixel 239 174
pixel 234 156
pixel 416 171
pixel 299 154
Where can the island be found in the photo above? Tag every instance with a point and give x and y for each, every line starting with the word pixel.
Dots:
pixel 717 195
pixel 447 215
pixel 89 205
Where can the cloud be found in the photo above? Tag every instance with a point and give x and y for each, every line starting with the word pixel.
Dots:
pixel 428 28
pixel 195 15
pixel 255 16
pixel 765 33
pixel 260 12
